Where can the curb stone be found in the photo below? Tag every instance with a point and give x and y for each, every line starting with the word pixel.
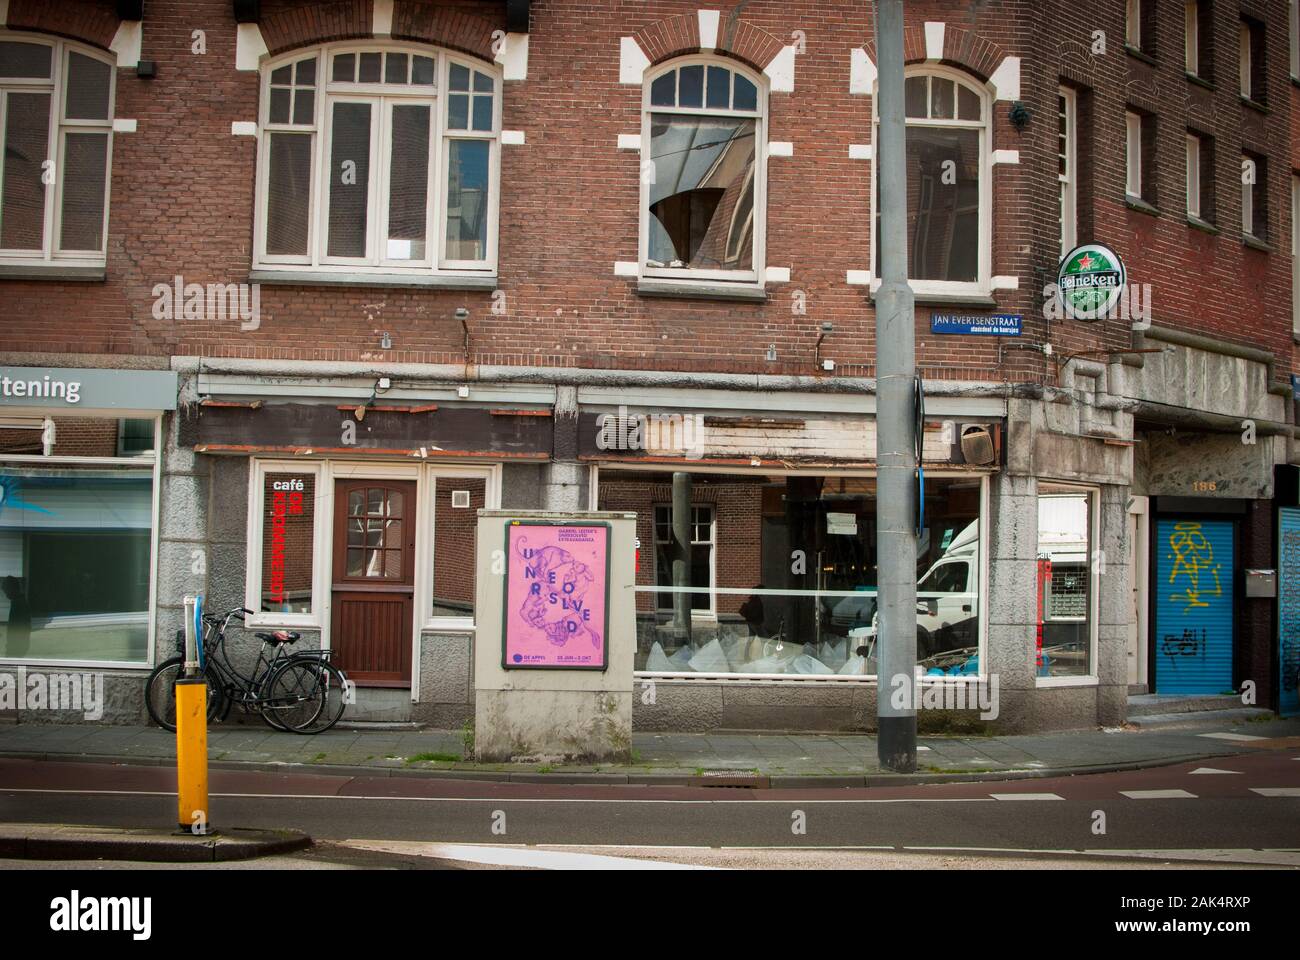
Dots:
pixel 67 842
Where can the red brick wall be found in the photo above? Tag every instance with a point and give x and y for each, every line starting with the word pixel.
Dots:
pixel 182 191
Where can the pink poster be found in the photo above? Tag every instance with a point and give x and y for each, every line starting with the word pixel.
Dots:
pixel 557 595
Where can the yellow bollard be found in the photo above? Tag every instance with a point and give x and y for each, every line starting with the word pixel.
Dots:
pixel 192 755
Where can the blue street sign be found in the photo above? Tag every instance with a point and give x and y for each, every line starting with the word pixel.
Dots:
pixel 997 325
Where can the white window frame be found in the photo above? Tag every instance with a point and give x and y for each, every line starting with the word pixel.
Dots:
pixel 1069 181
pixel 983 284
pixel 711 613
pixel 59 128
pixel 741 278
pixel 1133 123
pixel 1133 24
pixel 326 472
pixel 1047 488
pixel 1193 157
pixel 151 460
pixel 1192 36
pixel 382 97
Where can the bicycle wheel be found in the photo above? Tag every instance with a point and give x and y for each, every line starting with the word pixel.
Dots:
pixel 336 687
pixel 294 695
pixel 160 693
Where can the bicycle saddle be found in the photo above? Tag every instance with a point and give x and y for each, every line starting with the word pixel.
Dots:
pixel 280 636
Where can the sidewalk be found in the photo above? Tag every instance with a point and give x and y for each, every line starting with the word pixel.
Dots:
pixel 757 759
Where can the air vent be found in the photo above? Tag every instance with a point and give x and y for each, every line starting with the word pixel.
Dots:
pixel 460 499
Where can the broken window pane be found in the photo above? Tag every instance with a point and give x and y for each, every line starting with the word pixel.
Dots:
pixel 702 166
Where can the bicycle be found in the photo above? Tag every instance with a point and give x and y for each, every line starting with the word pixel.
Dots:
pixel 299 692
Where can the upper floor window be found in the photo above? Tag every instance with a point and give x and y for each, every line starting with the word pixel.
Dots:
pixel 948 196
pixel 56 135
pixel 1067 163
pixel 703 190
pixel 1294 9
pixel 1251 65
pixel 381 160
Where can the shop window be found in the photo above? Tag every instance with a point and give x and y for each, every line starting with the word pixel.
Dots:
pixel 456 503
pixel 56 101
pixel 788 563
pixel 948 206
pixel 1066 582
pixel 288 542
pixel 76 543
pixel 379 160
pixel 702 192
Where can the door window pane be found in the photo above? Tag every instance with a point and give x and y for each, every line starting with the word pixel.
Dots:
pixel 26 147
pixel 467 199
pixel 85 166
pixel 408 198
pixel 288 193
pixel 349 176
pixel 288 542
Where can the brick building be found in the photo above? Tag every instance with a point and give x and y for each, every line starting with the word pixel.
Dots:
pixel 405 260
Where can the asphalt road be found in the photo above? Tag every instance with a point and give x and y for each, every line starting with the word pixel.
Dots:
pixel 1253 805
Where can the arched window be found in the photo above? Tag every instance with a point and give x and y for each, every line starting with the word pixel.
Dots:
pixel 380 159
pixel 948 196
pixel 56 137
pixel 703 179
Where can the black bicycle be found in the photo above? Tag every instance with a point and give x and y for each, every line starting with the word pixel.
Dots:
pixel 299 692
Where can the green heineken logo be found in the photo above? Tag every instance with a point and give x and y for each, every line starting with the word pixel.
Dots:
pixel 1091 281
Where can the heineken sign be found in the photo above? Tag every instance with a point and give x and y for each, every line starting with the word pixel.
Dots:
pixel 1091 281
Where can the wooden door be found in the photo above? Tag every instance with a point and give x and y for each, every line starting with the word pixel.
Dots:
pixel 374 580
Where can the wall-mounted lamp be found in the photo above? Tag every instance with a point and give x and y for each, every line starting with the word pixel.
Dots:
pixel 146 69
pixel 1019 115
pixel 827 329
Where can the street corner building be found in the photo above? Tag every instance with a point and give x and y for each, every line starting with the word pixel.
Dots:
pixel 290 291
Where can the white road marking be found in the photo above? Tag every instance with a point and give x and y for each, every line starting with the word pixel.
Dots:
pixel 345 796
pixel 1158 794
pixel 1213 770
pixel 1026 796
pixel 1276 791
pixel 506 856
pixel 1277 857
pixel 1229 736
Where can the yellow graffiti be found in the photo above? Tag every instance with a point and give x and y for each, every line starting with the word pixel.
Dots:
pixel 1193 556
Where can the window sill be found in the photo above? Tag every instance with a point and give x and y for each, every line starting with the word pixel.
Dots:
pixel 52 271
pixel 309 278
pixel 1140 205
pixel 1254 243
pixel 700 290
pixel 1196 223
pixel 1255 105
pixel 1202 82
pixel 982 301
pixel 1142 55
